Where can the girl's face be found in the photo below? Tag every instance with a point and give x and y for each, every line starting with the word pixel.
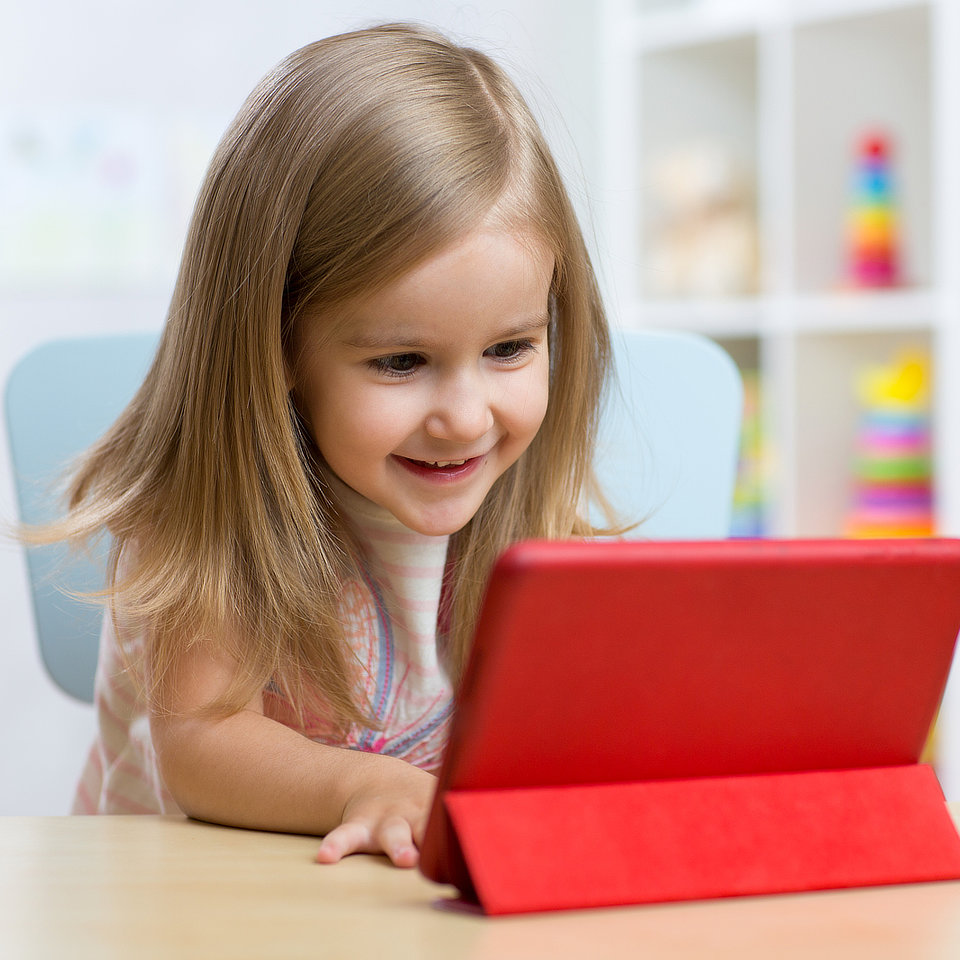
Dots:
pixel 420 396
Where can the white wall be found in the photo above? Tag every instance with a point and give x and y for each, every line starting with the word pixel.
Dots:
pixel 160 84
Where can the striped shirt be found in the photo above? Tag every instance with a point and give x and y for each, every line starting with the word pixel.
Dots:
pixel 390 616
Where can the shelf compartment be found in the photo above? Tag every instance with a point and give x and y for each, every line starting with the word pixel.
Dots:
pixel 698 170
pixel 752 500
pixel 874 73
pixel 828 411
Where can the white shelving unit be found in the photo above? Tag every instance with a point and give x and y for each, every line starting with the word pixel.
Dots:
pixel 784 90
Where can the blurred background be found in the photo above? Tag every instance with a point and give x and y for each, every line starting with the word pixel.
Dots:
pixel 779 175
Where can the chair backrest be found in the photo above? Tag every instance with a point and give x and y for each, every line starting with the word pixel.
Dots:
pixel 668 451
pixel 59 399
pixel 670 434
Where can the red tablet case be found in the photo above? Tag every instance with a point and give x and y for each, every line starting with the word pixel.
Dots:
pixel 644 722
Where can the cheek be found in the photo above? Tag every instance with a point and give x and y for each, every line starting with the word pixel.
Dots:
pixel 356 419
pixel 532 403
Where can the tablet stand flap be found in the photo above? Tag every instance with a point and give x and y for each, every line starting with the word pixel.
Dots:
pixel 553 848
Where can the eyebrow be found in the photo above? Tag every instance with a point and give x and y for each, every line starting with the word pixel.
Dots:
pixel 403 341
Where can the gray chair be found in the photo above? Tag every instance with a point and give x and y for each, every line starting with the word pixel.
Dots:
pixel 667 455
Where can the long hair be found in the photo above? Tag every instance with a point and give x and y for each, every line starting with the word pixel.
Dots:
pixel 353 160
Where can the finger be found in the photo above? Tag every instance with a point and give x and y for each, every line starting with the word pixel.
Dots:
pixel 350 837
pixel 396 840
pixel 419 831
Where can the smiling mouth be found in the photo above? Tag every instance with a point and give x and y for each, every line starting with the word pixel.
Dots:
pixel 437 464
pixel 441 469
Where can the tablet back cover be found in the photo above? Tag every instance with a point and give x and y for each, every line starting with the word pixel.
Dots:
pixel 611 662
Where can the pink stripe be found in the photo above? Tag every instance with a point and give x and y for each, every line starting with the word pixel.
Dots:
pixel 112 796
pixel 95 761
pixel 112 715
pixel 417 606
pixel 132 771
pixel 894 446
pixel 83 803
pixel 116 765
pixel 425 671
pixel 120 692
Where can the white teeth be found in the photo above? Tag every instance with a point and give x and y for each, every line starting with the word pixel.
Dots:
pixel 445 463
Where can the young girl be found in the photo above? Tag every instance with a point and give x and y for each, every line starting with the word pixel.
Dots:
pixel 382 365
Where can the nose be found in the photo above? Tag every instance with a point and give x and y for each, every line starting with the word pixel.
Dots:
pixel 460 409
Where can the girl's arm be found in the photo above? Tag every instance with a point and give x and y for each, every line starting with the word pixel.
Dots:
pixel 247 770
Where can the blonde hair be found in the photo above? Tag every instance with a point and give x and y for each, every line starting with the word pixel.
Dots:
pixel 354 159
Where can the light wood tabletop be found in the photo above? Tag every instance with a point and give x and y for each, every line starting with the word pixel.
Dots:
pixel 152 887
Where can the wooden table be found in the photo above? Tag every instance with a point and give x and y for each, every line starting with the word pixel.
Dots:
pixel 151 887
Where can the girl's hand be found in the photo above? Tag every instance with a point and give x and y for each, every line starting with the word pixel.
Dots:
pixel 386 813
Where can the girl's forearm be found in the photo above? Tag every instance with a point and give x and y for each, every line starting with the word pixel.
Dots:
pixel 247 770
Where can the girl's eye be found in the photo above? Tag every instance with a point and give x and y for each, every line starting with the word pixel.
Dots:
pixel 397 365
pixel 510 349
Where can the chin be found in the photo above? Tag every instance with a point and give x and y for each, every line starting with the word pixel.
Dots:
pixel 434 529
pixel 437 526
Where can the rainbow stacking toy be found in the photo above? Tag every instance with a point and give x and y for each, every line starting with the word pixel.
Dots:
pixel 893 490
pixel 873 227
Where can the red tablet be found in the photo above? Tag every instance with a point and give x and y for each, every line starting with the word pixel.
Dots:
pixel 606 663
